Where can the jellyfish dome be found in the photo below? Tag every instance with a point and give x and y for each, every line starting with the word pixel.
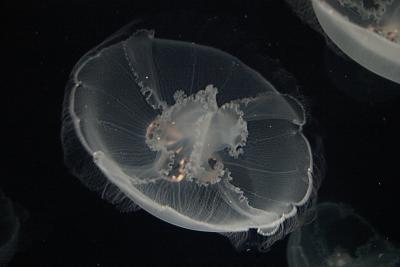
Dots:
pixel 340 238
pixel 367 31
pixel 189 133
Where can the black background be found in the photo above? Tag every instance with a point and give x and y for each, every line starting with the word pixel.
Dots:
pixel 354 112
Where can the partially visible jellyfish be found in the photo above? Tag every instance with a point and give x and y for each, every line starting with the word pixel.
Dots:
pixel 368 31
pixel 190 134
pixel 9 230
pixel 340 238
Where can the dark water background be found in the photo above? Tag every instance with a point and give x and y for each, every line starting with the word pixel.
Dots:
pixel 355 113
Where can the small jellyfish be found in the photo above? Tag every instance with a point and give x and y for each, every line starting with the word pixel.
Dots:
pixel 340 238
pixel 366 31
pixel 9 230
pixel 188 133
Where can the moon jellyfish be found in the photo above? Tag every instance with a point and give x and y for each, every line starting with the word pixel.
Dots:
pixel 9 230
pixel 339 237
pixel 188 133
pixel 367 31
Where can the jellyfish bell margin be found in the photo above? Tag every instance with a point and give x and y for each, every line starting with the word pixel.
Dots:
pixel 10 229
pixel 199 140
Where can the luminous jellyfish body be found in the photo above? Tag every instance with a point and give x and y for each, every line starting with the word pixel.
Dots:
pixel 188 133
pixel 340 238
pixel 9 230
pixel 367 31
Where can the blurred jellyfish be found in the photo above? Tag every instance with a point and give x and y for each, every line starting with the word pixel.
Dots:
pixel 340 238
pixel 9 230
pixel 366 30
pixel 188 133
